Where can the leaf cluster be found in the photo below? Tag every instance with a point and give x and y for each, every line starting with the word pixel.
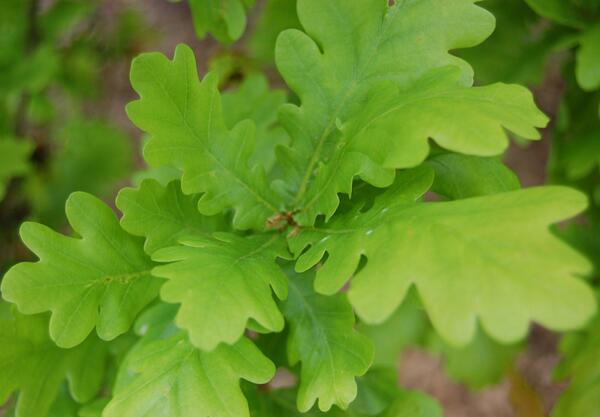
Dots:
pixel 304 228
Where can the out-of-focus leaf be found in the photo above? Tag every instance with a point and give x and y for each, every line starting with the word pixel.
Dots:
pixel 223 19
pixel 14 160
pixel 275 17
pixel 480 363
pixel 588 59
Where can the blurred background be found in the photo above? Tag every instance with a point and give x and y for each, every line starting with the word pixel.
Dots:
pixel 63 89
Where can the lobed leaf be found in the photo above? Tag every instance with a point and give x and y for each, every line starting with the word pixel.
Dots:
pixel 375 82
pixel 164 374
pixel 255 101
pixel 221 282
pixel 163 214
pixel 188 131
pixel 323 339
pixel 446 248
pixel 101 279
pixel 32 364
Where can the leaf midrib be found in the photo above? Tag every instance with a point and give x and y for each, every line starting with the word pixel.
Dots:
pixel 316 156
pixel 264 202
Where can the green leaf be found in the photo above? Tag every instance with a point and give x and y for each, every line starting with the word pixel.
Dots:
pixel 280 402
pixel 101 279
pixel 323 339
pixel 224 19
pixel 188 131
pixel 378 396
pixel 35 71
pixel 445 248
pixel 581 156
pixel 32 364
pixel 13 21
pixel 497 59
pixel 408 325
pixel 93 409
pixel 14 160
pixel 163 214
pixel 575 149
pixel 584 237
pixel 170 377
pixel 385 72
pixel 581 351
pixel 481 363
pixel 221 282
pixel 462 176
pixel 275 17
pixel 254 100
pixel 560 11
pixel 588 59
pixel 79 145
pixel 64 405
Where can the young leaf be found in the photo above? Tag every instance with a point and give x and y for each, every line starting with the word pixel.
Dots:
pixel 188 131
pixel 163 214
pixel 446 248
pixel 14 155
pixel 221 282
pixel 32 364
pixel 101 279
pixel 224 19
pixel 588 59
pixel 173 378
pixel 366 70
pixel 323 339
